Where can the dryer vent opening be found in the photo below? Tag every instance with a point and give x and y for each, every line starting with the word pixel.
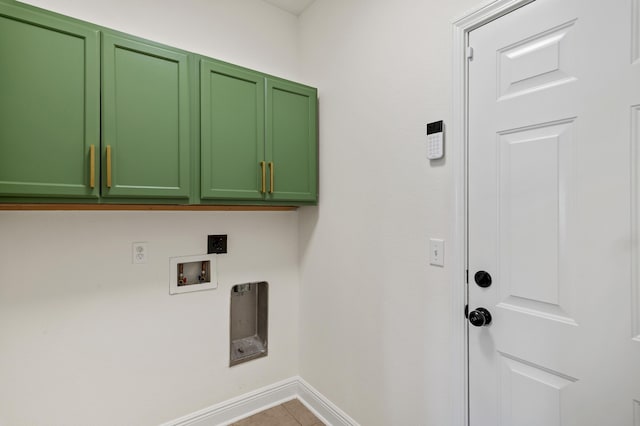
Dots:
pixel 249 322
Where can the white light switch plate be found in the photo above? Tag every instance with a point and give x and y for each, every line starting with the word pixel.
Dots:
pixel 436 252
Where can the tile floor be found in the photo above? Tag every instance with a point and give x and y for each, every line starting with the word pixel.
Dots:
pixel 291 413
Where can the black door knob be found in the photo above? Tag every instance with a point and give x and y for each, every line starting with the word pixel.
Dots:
pixel 482 278
pixel 480 317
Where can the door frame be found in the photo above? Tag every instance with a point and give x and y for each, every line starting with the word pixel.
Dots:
pixel 459 153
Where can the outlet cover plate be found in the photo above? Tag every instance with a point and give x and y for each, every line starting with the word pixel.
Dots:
pixel 140 252
pixel 436 252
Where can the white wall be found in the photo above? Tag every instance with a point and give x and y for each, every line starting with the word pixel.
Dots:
pixel 375 333
pixel 375 317
pixel 88 338
pixel 250 33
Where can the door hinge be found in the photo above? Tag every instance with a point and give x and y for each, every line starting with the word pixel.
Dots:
pixel 467 276
pixel 469 52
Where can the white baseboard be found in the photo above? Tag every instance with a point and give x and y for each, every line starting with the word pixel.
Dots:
pixel 319 405
pixel 250 403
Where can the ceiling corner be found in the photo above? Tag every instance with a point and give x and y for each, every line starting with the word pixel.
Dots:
pixel 295 7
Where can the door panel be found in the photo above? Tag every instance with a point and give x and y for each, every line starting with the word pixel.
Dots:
pixel 633 97
pixel 534 169
pixel 635 143
pixel 531 395
pixel 145 120
pixel 292 141
pixel 536 63
pixel 49 105
pixel 232 149
pixel 635 33
pixel 550 87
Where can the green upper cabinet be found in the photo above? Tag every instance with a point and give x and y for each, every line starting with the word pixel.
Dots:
pixel 232 133
pixel 291 141
pixel 145 120
pixel 49 106
pixel 258 137
pixel 88 114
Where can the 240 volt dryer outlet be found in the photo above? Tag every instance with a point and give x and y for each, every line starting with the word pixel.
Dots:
pixel 217 244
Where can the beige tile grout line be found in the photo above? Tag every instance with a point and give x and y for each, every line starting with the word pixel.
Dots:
pixel 290 413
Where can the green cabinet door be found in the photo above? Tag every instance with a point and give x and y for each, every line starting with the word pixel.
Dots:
pixel 232 133
pixel 145 120
pixel 49 106
pixel 291 141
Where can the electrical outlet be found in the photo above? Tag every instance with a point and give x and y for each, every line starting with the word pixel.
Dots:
pixel 139 253
pixel 217 244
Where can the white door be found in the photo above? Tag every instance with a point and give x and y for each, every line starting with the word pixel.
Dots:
pixel 554 125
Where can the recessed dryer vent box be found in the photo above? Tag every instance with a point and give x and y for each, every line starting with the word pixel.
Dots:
pixel 249 322
pixel 192 273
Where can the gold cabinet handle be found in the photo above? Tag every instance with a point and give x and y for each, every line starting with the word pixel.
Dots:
pixel 271 189
pixel 108 166
pixel 263 188
pixel 92 166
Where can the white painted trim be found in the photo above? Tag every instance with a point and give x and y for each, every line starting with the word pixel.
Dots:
pixel 461 29
pixel 243 406
pixel 635 225
pixel 324 409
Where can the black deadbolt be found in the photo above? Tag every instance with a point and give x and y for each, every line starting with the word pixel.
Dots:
pixel 480 317
pixel 482 278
